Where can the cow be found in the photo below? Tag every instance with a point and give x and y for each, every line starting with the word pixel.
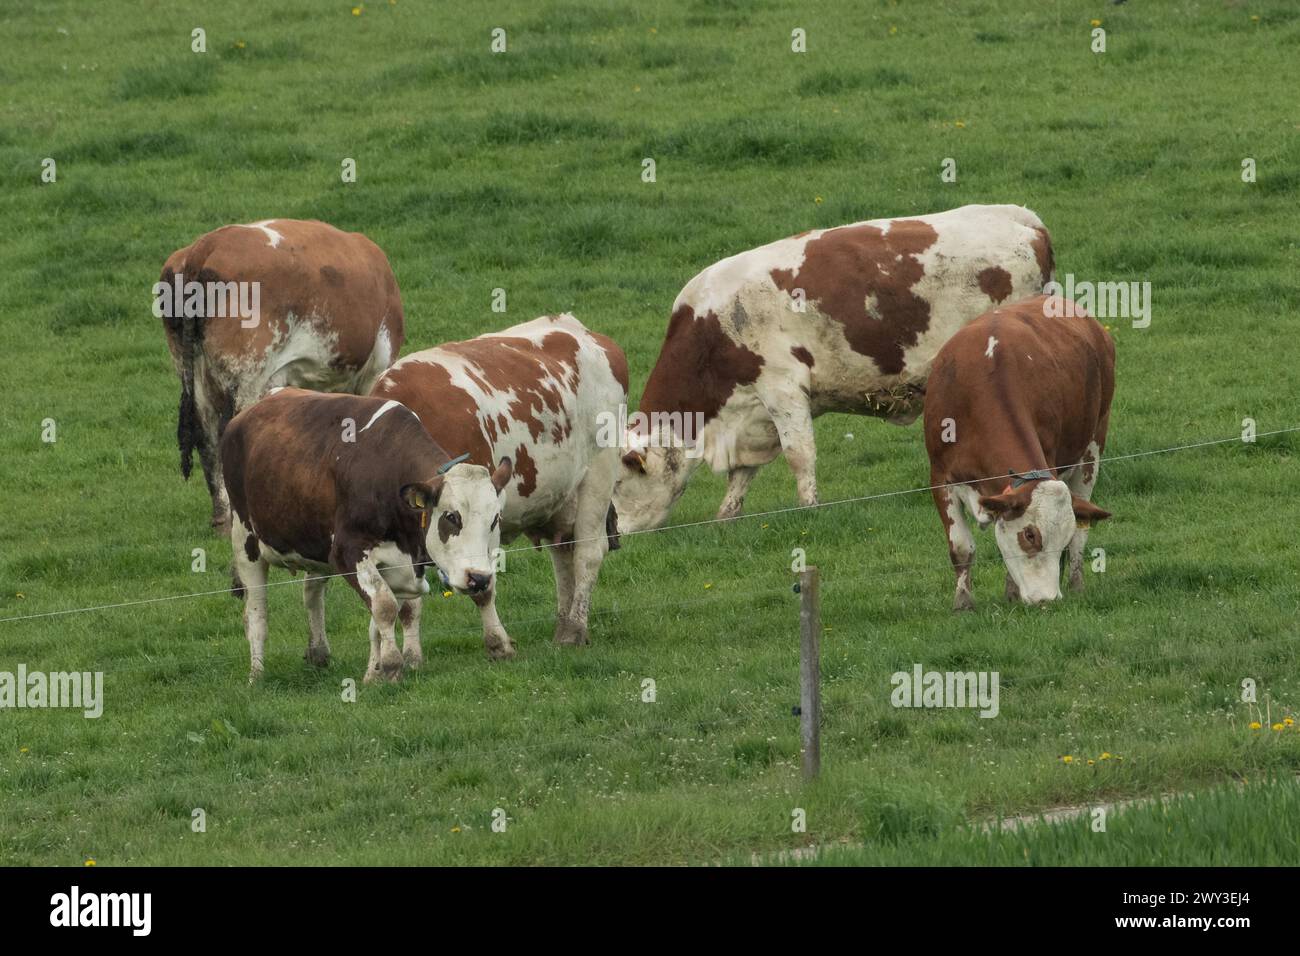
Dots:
pixel 845 319
pixel 547 394
pixel 352 486
pixel 1016 415
pixel 313 307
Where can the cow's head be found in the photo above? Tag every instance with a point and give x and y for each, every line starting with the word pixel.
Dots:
pixel 1034 524
pixel 462 521
pixel 651 478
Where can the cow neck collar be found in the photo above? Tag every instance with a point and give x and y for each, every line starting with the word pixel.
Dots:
pixel 1038 474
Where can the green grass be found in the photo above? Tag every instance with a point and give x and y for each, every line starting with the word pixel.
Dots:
pixel 523 171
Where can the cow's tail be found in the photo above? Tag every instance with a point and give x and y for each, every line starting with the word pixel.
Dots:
pixel 187 422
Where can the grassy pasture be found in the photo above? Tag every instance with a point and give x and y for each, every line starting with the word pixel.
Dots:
pixel 522 171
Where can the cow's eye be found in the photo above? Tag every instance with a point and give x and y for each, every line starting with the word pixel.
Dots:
pixel 495 521
pixel 452 518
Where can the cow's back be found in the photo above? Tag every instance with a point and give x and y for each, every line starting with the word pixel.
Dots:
pixel 534 393
pixel 1021 368
pixel 329 303
pixel 852 309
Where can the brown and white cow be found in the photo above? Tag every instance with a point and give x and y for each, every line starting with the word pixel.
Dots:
pixel 1016 414
pixel 546 394
pixel 353 486
pixel 846 319
pixel 328 317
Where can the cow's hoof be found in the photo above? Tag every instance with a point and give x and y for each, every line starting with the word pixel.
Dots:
pixel 254 676
pixel 1076 584
pixel 570 633
pixel 963 602
pixel 318 656
pixel 501 652
pixel 413 657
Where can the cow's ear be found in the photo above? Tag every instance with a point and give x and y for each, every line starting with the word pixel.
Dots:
pixel 422 496
pixel 1007 506
pixel 635 460
pixel 502 475
pixel 1086 513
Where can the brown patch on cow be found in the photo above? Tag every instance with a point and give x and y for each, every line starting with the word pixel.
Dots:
pixel 491 427
pixel 995 282
pixel 1042 245
pixel 526 469
pixel 535 373
pixel 864 278
pixel 331 275
pixel 699 367
pixel 448 528
pixel 1030 540
pixel 614 354
pixel 447 411
pixel 802 354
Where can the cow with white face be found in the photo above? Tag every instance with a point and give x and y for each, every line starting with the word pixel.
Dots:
pixel 546 394
pixel 282 302
pixel 846 320
pixel 1016 415
pixel 343 485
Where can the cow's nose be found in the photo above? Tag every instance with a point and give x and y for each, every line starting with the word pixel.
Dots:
pixel 478 581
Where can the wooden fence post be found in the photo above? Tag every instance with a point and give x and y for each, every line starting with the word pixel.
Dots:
pixel 810 687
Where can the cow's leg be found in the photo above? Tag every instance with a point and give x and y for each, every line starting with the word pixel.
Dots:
pixel 208 407
pixel 1081 481
pixel 562 561
pixel 738 480
pixel 495 637
pixel 409 615
pixel 251 572
pixel 589 547
pixel 792 415
pixel 385 659
pixel 961 543
pixel 313 596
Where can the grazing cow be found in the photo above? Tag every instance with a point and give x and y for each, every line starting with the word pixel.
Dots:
pixel 1024 396
pixel 547 394
pixel 353 486
pixel 846 319
pixel 326 316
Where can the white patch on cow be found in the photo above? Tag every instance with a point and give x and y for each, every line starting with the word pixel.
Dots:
pixel 959 534
pixel 398 570
pixel 273 238
pixel 1051 512
pixel 387 406
pixel 993 343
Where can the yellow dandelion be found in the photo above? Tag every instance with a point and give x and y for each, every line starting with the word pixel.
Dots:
pixel 240 44
pixel 1289 721
pixel 960 124
pixel 1091 761
pixel 1096 23
pixel 1254 18
pixel 708 585
pixel 1255 725
pixel 654 29
pixel 21 596
pixel 817 200
pixel 455 829
pixel 90 863
pixel 893 30
pixel 356 11
pixel 22 750
pixel 1105 755
pixel 1067 759
pixel 446 594
pixel 764 526
pixel 1278 726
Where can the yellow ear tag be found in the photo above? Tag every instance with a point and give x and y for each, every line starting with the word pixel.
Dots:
pixel 1082 523
pixel 424 520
